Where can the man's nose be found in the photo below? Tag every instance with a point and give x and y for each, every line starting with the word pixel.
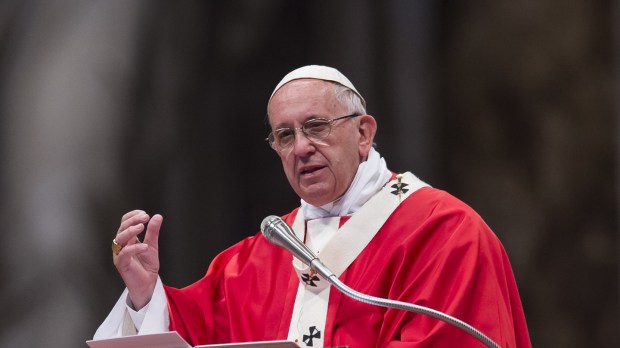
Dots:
pixel 302 145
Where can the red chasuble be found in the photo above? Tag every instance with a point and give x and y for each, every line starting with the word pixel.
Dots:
pixel 433 251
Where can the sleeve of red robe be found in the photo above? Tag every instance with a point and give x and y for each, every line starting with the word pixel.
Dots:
pixel 246 295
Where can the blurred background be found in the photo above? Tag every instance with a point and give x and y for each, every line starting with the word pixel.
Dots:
pixel 109 106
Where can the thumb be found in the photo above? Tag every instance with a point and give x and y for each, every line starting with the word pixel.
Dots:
pixel 151 236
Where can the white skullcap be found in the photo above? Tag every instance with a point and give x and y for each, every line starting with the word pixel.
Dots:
pixel 318 72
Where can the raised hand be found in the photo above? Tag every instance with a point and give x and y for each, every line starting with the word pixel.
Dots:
pixel 138 262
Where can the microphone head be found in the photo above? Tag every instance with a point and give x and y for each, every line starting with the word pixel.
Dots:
pixel 279 233
pixel 266 230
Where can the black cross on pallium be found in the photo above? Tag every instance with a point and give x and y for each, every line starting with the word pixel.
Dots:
pixel 399 188
pixel 309 279
pixel 314 333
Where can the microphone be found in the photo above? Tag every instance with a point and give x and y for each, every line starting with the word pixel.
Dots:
pixel 278 232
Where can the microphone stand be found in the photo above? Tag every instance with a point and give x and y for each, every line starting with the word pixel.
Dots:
pixel 319 267
pixel 278 232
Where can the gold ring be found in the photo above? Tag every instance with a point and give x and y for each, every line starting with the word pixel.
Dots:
pixel 116 248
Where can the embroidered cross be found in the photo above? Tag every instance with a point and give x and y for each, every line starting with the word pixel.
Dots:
pixel 399 187
pixel 309 279
pixel 314 333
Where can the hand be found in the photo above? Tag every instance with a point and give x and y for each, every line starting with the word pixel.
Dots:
pixel 138 263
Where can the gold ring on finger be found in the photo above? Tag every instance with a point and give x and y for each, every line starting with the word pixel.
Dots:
pixel 116 248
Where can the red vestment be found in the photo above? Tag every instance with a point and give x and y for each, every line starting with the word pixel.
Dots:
pixel 433 251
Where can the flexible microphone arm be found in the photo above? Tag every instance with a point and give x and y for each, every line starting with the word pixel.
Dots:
pixel 278 232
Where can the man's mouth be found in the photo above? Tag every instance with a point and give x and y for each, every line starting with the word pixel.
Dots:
pixel 310 169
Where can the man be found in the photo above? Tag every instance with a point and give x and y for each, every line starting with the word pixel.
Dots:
pixel 383 234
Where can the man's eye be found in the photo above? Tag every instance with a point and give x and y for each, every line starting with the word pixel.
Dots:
pixel 315 123
pixel 284 134
pixel 317 126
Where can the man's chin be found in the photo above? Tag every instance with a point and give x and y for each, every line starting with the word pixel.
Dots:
pixel 315 196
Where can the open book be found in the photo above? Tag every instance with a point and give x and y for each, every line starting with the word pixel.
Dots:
pixel 173 340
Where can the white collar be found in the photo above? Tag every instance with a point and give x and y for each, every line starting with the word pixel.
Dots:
pixel 371 175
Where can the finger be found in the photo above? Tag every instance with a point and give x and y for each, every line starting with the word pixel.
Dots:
pixel 131 214
pixel 152 231
pixel 133 218
pixel 125 255
pixel 129 235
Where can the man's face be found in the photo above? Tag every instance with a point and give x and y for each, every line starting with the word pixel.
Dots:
pixel 319 172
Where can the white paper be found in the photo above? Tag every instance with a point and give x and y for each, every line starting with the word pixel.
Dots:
pixel 173 340
pixel 260 344
pixel 158 340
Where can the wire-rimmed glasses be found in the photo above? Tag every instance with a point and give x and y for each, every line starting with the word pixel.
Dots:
pixel 315 129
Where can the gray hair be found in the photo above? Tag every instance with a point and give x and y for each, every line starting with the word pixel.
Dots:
pixel 349 99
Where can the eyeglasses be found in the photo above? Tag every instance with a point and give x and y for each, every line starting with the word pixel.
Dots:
pixel 315 129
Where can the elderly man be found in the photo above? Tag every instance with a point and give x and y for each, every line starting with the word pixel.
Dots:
pixel 382 233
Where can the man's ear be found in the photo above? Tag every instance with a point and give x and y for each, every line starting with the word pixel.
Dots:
pixel 367 129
